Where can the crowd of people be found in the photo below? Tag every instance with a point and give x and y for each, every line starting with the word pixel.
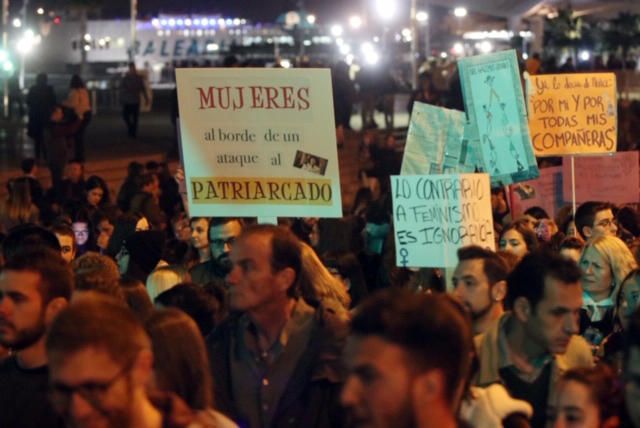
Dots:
pixel 126 312
pixel 123 311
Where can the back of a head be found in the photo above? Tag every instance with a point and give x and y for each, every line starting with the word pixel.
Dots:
pixel 56 278
pixel 432 328
pixel 537 212
pixel 27 165
pixel 27 236
pixel 134 169
pixel 316 282
pixel 97 272
pixel 528 278
pixel 194 301
pixel 163 279
pixel 98 322
pixel 76 82
pixel 495 268
pixel 41 79
pixel 586 215
pixel 181 362
pixel 136 296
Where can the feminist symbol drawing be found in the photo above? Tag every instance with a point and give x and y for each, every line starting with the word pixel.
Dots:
pixel 404 253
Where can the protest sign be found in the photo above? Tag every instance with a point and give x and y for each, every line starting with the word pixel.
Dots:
pixel 573 113
pixel 609 178
pixel 434 215
pixel 259 142
pixel 544 192
pixel 433 140
pixel 495 107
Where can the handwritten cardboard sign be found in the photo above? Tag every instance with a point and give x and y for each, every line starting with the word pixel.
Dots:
pixel 545 192
pixel 609 178
pixel 434 215
pixel 259 142
pixel 573 113
pixel 433 140
pixel 494 104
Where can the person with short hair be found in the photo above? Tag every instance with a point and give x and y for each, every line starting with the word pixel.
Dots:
pixel 35 285
pixel 595 219
pixel 67 240
pixel 223 232
pixel 131 88
pixel 480 282
pixel 99 273
pixel 195 302
pixel 276 360
pixel 146 201
pixel 100 376
pixel 164 278
pixel 533 343
pixel 571 247
pixel 409 356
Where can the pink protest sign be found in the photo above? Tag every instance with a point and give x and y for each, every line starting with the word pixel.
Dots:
pixel 545 192
pixel 608 178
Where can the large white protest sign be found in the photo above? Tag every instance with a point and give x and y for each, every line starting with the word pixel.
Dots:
pixel 259 142
pixel 434 215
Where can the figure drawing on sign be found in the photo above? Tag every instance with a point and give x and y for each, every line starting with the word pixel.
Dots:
pixel 310 162
pixel 508 128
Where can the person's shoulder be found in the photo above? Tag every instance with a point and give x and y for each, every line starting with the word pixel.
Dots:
pixel 578 354
pixel 212 418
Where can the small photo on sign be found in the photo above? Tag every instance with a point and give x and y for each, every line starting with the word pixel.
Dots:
pixel 310 162
pixel 525 191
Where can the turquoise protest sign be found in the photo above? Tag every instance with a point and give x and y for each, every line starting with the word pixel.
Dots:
pixel 495 108
pixel 434 141
pixel 434 215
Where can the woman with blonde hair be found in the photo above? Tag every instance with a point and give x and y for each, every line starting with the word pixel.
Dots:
pixel 181 364
pixel 317 284
pixel 606 261
pixel 18 208
pixel 165 277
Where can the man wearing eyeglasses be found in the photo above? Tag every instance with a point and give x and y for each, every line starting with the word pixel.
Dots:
pixel 101 363
pixel 595 219
pixel 223 231
pixel 35 286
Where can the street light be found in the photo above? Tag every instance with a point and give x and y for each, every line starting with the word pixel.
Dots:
pixel 40 11
pixel 311 19
pixel 386 8
pixel 422 16
pixel 17 22
pixel 336 30
pixel 460 12
pixel 355 22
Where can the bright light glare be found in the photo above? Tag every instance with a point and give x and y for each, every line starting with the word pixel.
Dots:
pixel 40 11
pixel 585 56
pixel 285 63
pixel 17 22
pixel 3 56
pixel 311 19
pixel 406 33
pixel 422 16
pixel 460 12
pixel 458 49
pixel 485 46
pixel 87 37
pixel 372 58
pixel 443 55
pixel 7 66
pixel 336 30
pixel 213 47
pixel 525 56
pixel 155 22
pixel 345 49
pixel 386 8
pixel 355 22
pixel 366 48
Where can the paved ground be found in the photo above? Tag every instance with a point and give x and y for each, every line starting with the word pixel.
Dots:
pixel 108 149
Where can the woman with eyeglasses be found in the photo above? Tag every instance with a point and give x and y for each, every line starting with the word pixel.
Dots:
pixel 605 263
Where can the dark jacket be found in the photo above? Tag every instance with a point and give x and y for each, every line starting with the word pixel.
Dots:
pixel 311 397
